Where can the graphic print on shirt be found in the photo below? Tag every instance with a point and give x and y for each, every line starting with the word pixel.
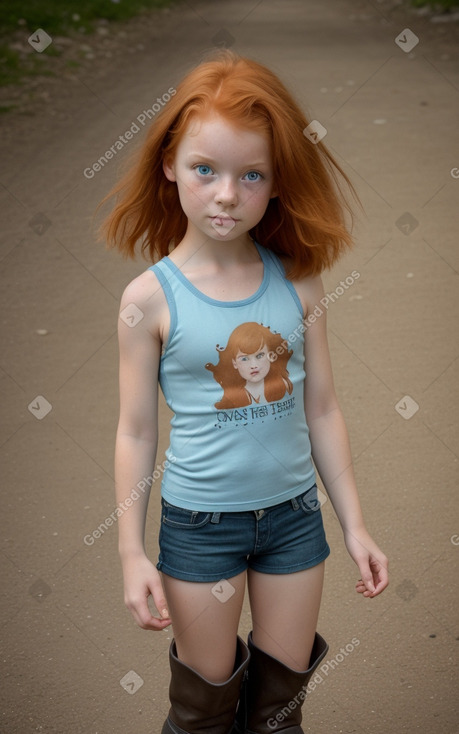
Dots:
pixel 251 369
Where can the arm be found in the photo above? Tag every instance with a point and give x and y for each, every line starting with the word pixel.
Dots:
pixel 135 452
pixel 331 450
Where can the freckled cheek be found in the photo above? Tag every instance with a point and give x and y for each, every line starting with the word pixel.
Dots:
pixel 257 202
pixel 192 197
pixel 193 188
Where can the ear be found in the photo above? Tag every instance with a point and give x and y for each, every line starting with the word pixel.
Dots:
pixel 169 170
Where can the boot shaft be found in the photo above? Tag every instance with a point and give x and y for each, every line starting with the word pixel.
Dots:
pixel 274 693
pixel 199 706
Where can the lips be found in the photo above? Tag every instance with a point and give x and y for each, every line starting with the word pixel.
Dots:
pixel 223 223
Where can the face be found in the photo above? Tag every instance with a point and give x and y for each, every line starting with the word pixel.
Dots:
pixel 253 367
pixel 224 178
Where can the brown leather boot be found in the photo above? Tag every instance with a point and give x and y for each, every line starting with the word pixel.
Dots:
pixel 273 693
pixel 199 706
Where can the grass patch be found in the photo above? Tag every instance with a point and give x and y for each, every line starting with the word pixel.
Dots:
pixel 14 66
pixel 19 20
pixel 63 16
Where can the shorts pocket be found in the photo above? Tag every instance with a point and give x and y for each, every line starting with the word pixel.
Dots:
pixel 178 517
pixel 309 501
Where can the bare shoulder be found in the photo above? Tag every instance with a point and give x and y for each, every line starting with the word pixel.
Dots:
pixel 309 288
pixel 143 300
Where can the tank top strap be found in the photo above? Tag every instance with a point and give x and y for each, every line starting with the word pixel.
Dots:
pixel 164 275
pixel 177 288
pixel 272 260
pixel 277 269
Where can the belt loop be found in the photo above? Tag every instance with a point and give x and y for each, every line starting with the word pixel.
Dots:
pixel 215 517
pixel 295 504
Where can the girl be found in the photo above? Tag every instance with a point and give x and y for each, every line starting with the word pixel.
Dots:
pixel 251 351
pixel 244 212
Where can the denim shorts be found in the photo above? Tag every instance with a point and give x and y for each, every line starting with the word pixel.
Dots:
pixel 210 546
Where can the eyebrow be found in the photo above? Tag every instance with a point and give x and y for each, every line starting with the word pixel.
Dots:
pixel 203 156
pixel 246 354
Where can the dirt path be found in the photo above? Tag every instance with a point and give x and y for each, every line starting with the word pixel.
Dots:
pixel 73 660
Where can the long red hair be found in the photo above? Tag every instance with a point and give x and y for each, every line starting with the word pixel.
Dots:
pixel 305 221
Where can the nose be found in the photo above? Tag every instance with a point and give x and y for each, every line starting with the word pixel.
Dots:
pixel 226 193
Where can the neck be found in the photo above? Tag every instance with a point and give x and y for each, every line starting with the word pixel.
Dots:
pixel 256 391
pixel 199 251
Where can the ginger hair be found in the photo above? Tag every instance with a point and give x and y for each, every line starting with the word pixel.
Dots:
pixel 305 222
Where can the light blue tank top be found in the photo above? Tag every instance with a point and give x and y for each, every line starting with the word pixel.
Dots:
pixel 233 374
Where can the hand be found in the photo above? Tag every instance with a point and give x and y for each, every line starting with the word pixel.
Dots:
pixel 141 580
pixel 371 561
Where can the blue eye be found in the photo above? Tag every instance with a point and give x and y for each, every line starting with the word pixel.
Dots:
pixel 253 176
pixel 204 170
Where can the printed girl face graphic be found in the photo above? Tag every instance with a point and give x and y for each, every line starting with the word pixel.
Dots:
pixel 253 367
pixel 224 178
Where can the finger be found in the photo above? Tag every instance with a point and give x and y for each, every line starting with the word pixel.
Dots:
pixel 158 624
pixel 160 602
pixel 149 622
pixel 382 581
pixel 152 623
pixel 143 616
pixel 157 592
pixel 365 593
pixel 367 580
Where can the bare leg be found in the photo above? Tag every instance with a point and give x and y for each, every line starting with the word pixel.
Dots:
pixel 205 624
pixel 285 609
